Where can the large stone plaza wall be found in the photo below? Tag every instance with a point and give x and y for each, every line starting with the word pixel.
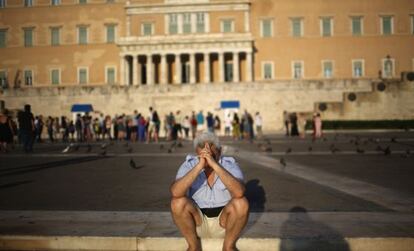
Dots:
pixel 271 99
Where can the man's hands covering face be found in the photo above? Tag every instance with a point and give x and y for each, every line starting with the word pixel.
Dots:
pixel 208 155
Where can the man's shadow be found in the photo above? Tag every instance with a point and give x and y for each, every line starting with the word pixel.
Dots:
pixel 301 233
pixel 256 196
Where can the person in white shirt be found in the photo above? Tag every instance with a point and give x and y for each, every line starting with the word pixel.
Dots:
pixel 258 121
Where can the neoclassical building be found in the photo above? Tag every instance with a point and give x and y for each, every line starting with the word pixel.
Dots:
pixel 235 43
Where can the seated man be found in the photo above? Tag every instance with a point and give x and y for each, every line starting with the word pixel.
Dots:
pixel 208 196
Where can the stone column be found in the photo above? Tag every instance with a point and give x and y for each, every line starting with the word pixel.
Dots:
pixel 163 79
pixel 150 70
pixel 122 70
pixel 135 70
pixel 207 67
pixel 247 21
pixel 128 26
pixel 249 66
pixel 236 69
pixel 192 68
pixel 221 67
pixel 177 77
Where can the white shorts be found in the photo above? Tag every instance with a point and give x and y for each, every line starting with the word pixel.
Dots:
pixel 210 227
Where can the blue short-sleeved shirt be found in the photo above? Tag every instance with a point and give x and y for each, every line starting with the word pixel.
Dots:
pixel 200 192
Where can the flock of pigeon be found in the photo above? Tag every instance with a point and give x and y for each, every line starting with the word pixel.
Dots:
pixel 74 147
pixel 357 141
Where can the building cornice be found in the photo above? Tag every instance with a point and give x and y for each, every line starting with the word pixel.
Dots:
pixel 161 8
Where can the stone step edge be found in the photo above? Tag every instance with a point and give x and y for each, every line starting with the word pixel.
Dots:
pixel 94 243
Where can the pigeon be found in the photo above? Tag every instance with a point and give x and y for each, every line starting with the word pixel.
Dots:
pixel 310 149
pixel 325 139
pixel 283 162
pixel 259 145
pixel 268 149
pixel 130 150
pixel 89 148
pixel 359 150
pixel 103 153
pixel 268 141
pixel 103 146
pixel 133 165
pixel 379 148
pixel 161 146
pixel 387 150
pixel 180 144
pixel 334 150
pixel 289 150
pixel 126 144
pixel 394 140
pixel 169 150
pixel 67 149
pixel 76 147
pixel 408 152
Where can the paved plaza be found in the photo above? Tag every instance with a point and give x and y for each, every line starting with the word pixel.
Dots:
pixel 351 184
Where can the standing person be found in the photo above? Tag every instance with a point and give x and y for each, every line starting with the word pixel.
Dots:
pixel 87 120
pixel 178 126
pixel 208 196
pixel 227 125
pixel 157 126
pixel 26 128
pixel 210 122
pixel 79 128
pixel 72 130
pixel 294 125
pixel 217 125
pixel 50 128
pixel 200 121
pixel 134 126
pixel 166 127
pixel 286 121
pixel 6 131
pixel 193 122
pixel 115 125
pixel 64 127
pixel 39 124
pixel 120 124
pixel 258 121
pixel 56 128
pixel 108 126
pixel 302 125
pixel 186 126
pixel 236 127
pixel 142 123
pixel 251 126
pixel 317 125
pixel 102 128
pixel 151 124
pixel 96 129
pixel 246 126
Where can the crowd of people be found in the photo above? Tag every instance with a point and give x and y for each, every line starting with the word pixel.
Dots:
pixel 295 124
pixel 140 126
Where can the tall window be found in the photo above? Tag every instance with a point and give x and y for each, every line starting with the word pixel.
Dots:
pixel 55 76
pixel 3 38
pixel 110 75
pixel 297 26
pixel 358 68
pixel 2 3
pixel 227 25
pixel 228 72
pixel 110 33
pixel 412 24
pixel 387 25
pixel 187 23
pixel 3 78
pixel 28 37
pixel 267 70
pixel 55 36
pixel 173 24
pixel 297 69
pixel 388 67
pixel 147 29
pixel 200 22
pixel 266 27
pixel 356 26
pixel 82 75
pixel 327 67
pixel 82 1
pixel 326 26
pixel 28 77
pixel 28 3
pixel 82 34
pixel 55 2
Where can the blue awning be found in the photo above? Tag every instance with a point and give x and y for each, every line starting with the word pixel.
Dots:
pixel 230 104
pixel 82 108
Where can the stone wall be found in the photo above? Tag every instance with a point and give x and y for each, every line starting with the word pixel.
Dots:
pixel 271 99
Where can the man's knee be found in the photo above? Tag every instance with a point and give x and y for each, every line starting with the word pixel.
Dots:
pixel 239 206
pixel 180 205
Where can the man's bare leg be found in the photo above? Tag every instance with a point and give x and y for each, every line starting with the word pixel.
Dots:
pixel 186 218
pixel 234 219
